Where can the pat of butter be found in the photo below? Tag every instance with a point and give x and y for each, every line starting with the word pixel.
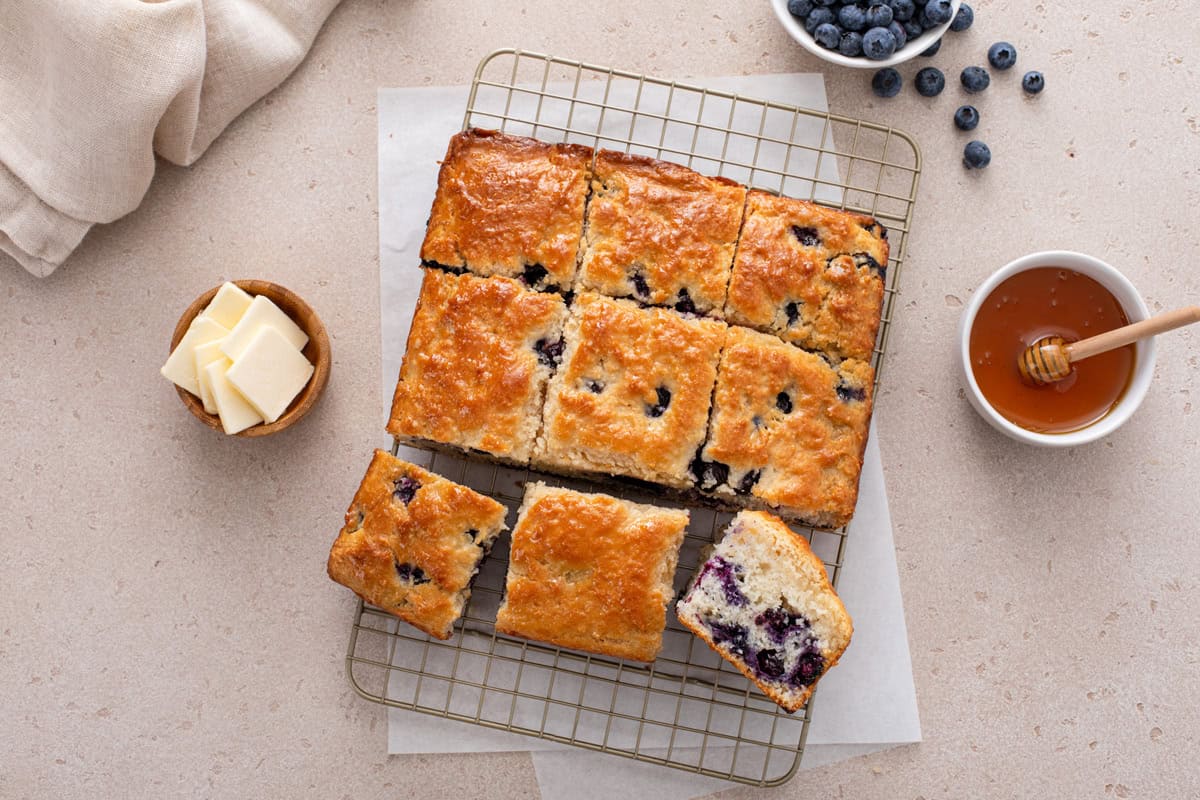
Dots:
pixel 270 372
pixel 262 312
pixel 206 354
pixel 236 414
pixel 180 368
pixel 228 305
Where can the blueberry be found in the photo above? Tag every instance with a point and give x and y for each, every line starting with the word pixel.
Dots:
pixel 931 51
pixel 929 82
pixel 819 16
pixel 913 29
pixel 898 32
pixel 664 400
pixel 852 18
pixel 1033 82
pixel 827 2
pixel 708 474
pixel 734 637
pixel 783 401
pixel 902 10
pixel 938 12
pixel 966 118
pixel 770 663
pixel 747 482
pixel 879 16
pixel 810 666
pixel 640 287
pixel 828 35
pixel 886 83
pixel 594 386
pixel 792 310
pixel 867 260
pixel 1002 55
pixel 404 489
pixel 975 79
pixel 533 274
pixel 800 8
pixel 846 393
pixel 410 573
pixel 685 305
pixel 807 236
pixel 780 623
pixel 878 44
pixel 851 44
pixel 976 155
pixel 963 19
pixel 726 575
pixel 550 352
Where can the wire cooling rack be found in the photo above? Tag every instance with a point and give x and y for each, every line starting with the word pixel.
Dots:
pixel 689 709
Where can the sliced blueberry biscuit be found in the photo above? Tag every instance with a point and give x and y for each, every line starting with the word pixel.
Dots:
pixel 508 205
pixel 479 354
pixel 591 572
pixel 660 233
pixel 787 431
pixel 412 542
pixel 632 395
pixel 762 600
pixel 811 275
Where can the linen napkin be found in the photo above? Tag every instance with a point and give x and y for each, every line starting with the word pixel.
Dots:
pixel 90 90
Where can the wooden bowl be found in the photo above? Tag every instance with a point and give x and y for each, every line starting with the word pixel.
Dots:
pixel 316 351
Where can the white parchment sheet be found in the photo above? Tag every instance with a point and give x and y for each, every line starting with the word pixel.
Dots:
pixel 867 703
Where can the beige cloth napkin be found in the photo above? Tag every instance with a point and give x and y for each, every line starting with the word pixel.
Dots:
pixel 90 90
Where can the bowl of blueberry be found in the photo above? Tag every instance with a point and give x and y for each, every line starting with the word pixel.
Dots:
pixel 867 33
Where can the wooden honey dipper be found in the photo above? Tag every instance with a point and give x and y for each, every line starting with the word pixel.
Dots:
pixel 1049 359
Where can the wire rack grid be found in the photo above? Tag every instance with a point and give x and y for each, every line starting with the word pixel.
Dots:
pixel 689 709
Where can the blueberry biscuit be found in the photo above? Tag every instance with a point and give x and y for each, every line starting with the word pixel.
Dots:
pixel 508 205
pixel 591 572
pixel 479 355
pixel 631 397
pixel 763 602
pixel 412 542
pixel 660 233
pixel 787 431
pixel 811 275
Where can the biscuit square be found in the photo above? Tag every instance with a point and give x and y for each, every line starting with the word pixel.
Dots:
pixel 660 233
pixel 509 205
pixel 787 431
pixel 479 354
pixel 811 275
pixel 763 602
pixel 412 542
pixel 631 396
pixel 591 572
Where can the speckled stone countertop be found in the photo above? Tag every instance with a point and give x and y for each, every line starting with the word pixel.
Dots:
pixel 166 628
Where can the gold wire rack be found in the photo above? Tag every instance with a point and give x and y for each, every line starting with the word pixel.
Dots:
pixel 689 709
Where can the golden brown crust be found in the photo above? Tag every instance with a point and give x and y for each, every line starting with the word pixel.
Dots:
pixel 505 202
pixel 472 376
pixel 826 294
pixel 413 559
pixel 808 458
pixel 603 410
pixel 660 232
pixel 591 572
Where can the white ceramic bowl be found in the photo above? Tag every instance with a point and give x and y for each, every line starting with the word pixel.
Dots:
pixel 912 49
pixel 1135 310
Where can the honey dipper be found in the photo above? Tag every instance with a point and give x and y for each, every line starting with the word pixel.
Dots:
pixel 1049 359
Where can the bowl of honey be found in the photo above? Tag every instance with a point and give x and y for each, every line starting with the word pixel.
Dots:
pixel 1054 293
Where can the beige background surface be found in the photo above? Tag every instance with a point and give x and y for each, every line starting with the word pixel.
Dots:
pixel 165 625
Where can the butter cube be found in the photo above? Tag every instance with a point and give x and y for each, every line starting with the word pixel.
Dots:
pixel 270 372
pixel 228 305
pixel 180 368
pixel 236 414
pixel 206 354
pixel 262 312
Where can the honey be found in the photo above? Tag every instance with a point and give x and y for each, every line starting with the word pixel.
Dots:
pixel 1049 301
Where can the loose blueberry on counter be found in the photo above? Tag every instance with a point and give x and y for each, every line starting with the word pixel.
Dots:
pixel 1002 55
pixel 410 573
pixel 879 15
pixel 664 400
pixel 902 10
pixel 851 44
pixel 819 16
pixel 404 489
pixel 975 79
pixel 783 401
pixel 878 44
pixel 931 51
pixel 852 18
pixel 898 33
pixel 1033 82
pixel 976 155
pixel 800 8
pixel 887 82
pixel 533 274
pixel 807 236
pixel 828 36
pixel 966 118
pixel 549 353
pixel 929 82
pixel 963 19
pixel 938 12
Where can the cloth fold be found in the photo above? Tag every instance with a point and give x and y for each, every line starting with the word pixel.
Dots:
pixel 91 90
